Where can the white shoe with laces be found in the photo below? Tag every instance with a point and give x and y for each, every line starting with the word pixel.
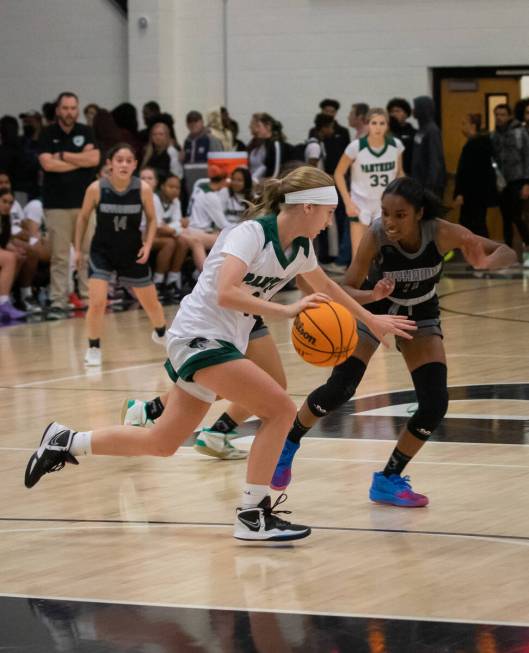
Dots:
pixel 93 357
pixel 262 523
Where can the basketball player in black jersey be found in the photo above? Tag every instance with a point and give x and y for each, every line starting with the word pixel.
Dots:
pixel 117 245
pixel 406 246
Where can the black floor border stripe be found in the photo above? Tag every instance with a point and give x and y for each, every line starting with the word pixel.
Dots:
pixel 351 529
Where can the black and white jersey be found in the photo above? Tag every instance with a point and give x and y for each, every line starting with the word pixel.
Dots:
pixel 118 220
pixel 415 273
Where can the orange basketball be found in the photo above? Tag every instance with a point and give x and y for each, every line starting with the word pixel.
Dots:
pixel 326 335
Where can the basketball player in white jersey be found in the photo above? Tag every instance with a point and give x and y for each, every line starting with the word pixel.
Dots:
pixel 375 161
pixel 209 335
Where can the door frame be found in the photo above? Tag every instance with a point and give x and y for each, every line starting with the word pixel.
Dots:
pixel 465 72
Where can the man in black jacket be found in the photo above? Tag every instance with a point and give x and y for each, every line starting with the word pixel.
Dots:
pixel 475 187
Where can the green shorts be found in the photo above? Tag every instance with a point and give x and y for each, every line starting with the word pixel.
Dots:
pixel 188 355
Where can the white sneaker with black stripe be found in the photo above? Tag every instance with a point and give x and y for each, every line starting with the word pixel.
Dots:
pixel 52 454
pixel 262 524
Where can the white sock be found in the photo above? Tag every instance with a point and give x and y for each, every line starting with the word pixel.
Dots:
pixel 175 277
pixel 81 444
pixel 4 299
pixel 158 277
pixel 253 495
pixel 25 292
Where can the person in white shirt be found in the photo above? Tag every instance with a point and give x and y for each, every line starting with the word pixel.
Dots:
pixel 206 216
pixel 375 161
pixel 237 195
pixel 30 249
pixel 315 150
pixel 208 340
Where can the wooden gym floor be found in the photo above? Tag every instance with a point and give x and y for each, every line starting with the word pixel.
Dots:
pixel 137 555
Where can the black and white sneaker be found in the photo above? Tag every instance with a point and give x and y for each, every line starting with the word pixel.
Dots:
pixel 52 454
pixel 263 524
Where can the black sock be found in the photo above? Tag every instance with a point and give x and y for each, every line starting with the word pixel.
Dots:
pixel 396 463
pixel 160 331
pixel 224 424
pixel 154 408
pixel 297 431
pixel 95 342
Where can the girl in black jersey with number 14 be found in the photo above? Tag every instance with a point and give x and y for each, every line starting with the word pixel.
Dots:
pixel 406 246
pixel 117 246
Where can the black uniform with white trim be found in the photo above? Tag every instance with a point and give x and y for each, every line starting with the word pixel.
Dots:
pixel 117 238
pixel 415 274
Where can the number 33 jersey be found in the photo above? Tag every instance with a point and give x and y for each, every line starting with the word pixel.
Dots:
pixel 118 219
pixel 372 170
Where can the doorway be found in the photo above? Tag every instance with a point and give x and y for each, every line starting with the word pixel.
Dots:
pixel 459 91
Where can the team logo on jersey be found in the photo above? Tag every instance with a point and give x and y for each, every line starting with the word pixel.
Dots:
pixel 78 140
pixel 258 281
pixel 198 343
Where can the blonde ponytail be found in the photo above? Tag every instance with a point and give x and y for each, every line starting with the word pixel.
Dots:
pixel 273 196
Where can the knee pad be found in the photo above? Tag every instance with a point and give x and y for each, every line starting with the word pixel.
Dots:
pixel 340 387
pixel 432 395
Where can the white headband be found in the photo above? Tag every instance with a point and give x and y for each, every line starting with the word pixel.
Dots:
pixel 322 195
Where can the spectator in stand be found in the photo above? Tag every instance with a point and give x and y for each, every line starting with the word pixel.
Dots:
pixel 510 143
pixel 238 145
pixel 106 132
pixel 475 186
pixel 336 143
pixel 149 112
pixel 269 133
pixel 8 260
pixel 90 112
pixel 32 129
pixel 126 118
pixel 399 111
pixel 160 152
pixel 13 158
pixel 358 119
pixel 334 148
pixel 207 217
pixel 428 161
pixel 237 195
pixel 315 151
pixel 219 130
pixel 255 147
pixel 48 113
pixel 17 212
pixel 196 147
pixel 168 270
pixel 69 158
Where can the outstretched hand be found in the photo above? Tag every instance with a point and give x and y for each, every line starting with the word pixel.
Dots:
pixel 397 325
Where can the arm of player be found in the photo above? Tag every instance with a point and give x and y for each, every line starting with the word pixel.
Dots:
pixel 90 201
pixel 482 253
pixel 50 164
pixel 88 158
pixel 232 295
pixel 339 177
pixel 147 200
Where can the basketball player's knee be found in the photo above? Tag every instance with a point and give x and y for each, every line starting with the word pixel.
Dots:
pixel 432 396
pixel 280 409
pixel 340 387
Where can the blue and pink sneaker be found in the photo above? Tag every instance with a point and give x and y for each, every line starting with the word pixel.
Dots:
pixel 395 490
pixel 283 473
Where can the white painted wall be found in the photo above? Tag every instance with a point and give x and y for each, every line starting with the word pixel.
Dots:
pixel 48 46
pixel 285 55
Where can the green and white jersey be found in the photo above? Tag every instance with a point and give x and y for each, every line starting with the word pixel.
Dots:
pixel 269 268
pixel 372 170
pixel 205 208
